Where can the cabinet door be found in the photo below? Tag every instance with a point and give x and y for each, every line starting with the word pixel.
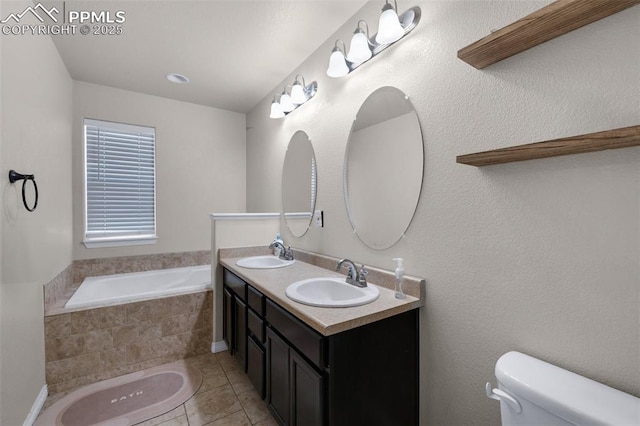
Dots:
pixel 240 333
pixel 278 377
pixel 227 327
pixel 255 365
pixel 306 387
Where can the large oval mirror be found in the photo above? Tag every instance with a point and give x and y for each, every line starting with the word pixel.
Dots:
pixel 383 168
pixel 299 184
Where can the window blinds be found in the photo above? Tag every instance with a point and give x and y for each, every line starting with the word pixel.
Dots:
pixel 120 180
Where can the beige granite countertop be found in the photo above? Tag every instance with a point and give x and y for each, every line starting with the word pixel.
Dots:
pixel 327 321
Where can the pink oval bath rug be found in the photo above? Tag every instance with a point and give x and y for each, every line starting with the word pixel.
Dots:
pixel 125 400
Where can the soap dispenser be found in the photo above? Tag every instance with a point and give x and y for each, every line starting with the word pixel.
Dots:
pixel 399 278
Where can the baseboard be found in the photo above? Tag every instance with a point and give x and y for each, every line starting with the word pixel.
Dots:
pixel 220 346
pixel 37 406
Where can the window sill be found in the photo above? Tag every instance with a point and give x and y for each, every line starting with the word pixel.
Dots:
pixel 119 241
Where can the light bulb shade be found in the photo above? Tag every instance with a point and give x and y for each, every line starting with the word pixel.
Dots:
pixel 389 28
pixel 297 94
pixel 337 64
pixel 286 104
pixel 276 110
pixel 359 50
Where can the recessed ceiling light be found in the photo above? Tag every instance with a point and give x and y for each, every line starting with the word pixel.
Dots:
pixel 177 78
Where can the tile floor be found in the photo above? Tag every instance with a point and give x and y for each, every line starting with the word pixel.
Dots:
pixel 226 397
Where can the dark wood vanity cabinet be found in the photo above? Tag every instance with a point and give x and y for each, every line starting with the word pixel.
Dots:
pixel 295 386
pixel 255 365
pixel 256 340
pixel 278 396
pixel 364 376
pixel 306 386
pixel 235 318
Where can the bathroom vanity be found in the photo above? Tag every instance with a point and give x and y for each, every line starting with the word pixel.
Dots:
pixel 314 365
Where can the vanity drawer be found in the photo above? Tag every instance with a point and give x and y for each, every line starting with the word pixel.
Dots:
pixel 235 284
pixel 255 300
pixel 304 339
pixel 255 325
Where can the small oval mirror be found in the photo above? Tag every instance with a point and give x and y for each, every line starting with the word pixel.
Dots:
pixel 383 168
pixel 299 184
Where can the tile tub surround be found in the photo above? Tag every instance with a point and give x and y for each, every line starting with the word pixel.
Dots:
pixel 327 321
pixel 59 289
pixel 62 287
pixel 91 345
pixel 126 264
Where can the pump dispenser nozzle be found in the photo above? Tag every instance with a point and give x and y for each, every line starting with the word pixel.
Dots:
pixel 399 277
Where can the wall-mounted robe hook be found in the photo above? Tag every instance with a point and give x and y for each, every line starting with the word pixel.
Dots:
pixel 15 176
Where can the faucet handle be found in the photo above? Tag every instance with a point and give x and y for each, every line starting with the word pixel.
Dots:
pixel 362 275
pixel 288 253
pixel 352 270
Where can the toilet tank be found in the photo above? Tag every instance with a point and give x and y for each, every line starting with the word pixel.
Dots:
pixel 549 395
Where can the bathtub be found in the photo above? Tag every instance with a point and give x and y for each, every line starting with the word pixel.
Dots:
pixel 122 288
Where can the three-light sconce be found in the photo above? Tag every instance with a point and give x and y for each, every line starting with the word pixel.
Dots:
pixel 290 100
pixel 391 28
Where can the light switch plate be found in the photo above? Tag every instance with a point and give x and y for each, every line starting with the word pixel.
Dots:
pixel 318 218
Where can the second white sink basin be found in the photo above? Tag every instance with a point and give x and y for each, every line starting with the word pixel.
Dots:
pixel 331 292
pixel 263 262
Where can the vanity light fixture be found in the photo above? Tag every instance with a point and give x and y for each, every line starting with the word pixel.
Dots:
pixel 300 93
pixel 337 63
pixel 276 109
pixel 391 28
pixel 285 101
pixel 360 48
pixel 297 93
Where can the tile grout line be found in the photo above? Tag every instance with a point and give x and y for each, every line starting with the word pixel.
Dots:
pixel 234 392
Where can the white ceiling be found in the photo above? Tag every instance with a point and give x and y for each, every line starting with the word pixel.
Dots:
pixel 234 52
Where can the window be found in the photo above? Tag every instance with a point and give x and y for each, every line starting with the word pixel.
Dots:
pixel 120 184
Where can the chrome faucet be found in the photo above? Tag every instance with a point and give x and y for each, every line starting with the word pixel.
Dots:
pixel 358 279
pixel 278 244
pixel 285 252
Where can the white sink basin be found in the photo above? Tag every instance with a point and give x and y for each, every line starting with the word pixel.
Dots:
pixel 264 262
pixel 331 292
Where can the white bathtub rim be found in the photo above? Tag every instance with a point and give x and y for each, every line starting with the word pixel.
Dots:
pixel 130 300
pixel 137 298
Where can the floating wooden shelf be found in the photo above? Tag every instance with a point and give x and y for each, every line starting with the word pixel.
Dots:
pixel 543 25
pixel 609 139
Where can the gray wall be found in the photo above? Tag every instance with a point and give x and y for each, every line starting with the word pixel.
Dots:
pixel 200 165
pixel 539 256
pixel 35 138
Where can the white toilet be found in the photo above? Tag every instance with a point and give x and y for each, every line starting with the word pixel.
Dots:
pixel 536 393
